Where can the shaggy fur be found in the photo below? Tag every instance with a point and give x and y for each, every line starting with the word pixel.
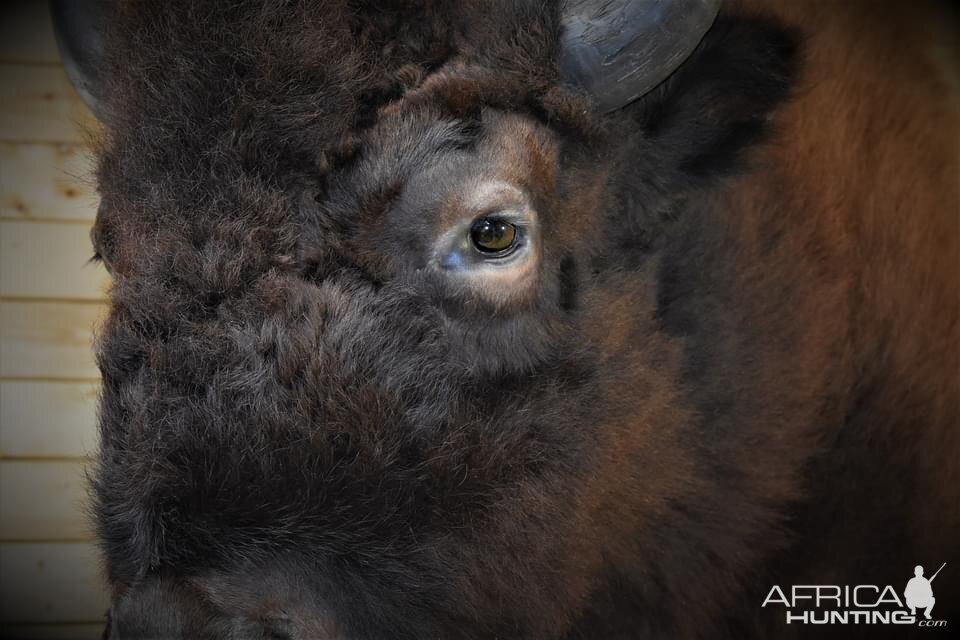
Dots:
pixel 738 368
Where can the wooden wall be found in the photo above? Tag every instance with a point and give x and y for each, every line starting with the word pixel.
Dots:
pixel 50 299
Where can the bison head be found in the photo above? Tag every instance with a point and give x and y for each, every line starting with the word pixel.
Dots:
pixel 396 345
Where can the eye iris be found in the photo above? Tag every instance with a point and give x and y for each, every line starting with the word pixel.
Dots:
pixel 491 235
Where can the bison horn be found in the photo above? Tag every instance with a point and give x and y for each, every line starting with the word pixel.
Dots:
pixel 618 50
pixel 77 25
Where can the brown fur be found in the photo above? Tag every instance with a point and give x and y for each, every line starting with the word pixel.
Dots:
pixel 738 366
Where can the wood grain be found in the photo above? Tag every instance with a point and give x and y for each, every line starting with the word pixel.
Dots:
pixel 47 182
pixel 47 419
pixel 50 585
pixel 49 260
pixel 43 501
pixel 47 339
pixel 38 103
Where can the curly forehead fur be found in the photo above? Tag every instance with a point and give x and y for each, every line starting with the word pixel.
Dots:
pixel 307 431
pixel 220 315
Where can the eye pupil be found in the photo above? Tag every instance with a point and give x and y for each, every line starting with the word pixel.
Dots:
pixel 493 235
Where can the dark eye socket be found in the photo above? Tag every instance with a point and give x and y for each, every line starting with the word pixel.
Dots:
pixel 493 236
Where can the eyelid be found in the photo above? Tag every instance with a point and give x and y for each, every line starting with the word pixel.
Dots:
pixel 494 196
pixel 518 218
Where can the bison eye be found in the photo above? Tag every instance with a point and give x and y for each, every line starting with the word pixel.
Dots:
pixel 493 236
pixel 487 243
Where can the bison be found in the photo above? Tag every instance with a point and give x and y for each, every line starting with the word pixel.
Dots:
pixel 522 319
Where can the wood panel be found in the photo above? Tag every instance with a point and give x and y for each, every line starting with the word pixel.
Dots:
pixel 48 589
pixel 47 181
pixel 38 103
pixel 51 583
pixel 48 419
pixel 49 260
pixel 47 339
pixel 43 501
pixel 26 34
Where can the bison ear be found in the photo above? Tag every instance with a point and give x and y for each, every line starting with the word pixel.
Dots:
pixel 78 26
pixel 717 104
pixel 618 50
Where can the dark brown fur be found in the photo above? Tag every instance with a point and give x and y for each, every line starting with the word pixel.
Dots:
pixel 738 368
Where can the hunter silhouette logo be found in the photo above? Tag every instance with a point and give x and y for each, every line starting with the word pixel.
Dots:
pixel 859 604
pixel 919 593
